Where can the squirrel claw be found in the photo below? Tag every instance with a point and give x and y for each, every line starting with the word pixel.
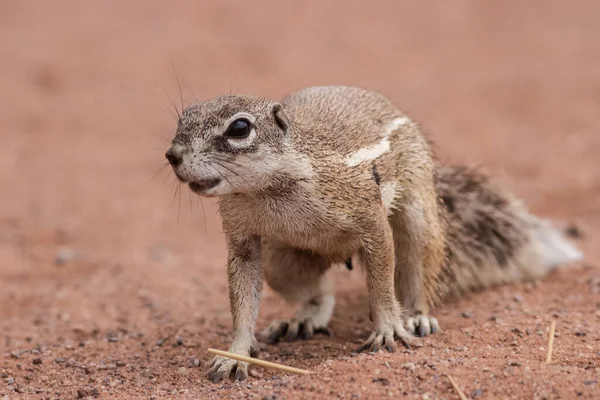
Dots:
pixel 422 325
pixel 386 340
pixel 293 330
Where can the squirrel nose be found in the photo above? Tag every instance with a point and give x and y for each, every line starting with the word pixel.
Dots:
pixel 175 154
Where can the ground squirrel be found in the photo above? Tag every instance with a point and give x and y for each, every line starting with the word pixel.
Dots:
pixel 333 174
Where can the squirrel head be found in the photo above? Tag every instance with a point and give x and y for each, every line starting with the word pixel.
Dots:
pixel 230 144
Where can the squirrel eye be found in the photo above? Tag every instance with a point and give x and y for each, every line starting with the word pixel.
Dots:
pixel 238 129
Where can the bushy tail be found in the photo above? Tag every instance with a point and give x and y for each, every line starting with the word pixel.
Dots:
pixel 492 238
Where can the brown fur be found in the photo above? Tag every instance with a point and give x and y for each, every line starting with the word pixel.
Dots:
pixel 332 173
pixel 489 236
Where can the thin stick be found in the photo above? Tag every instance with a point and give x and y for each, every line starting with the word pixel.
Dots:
pixel 256 361
pixel 550 342
pixel 457 389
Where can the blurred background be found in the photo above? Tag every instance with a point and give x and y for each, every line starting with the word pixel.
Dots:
pixel 93 245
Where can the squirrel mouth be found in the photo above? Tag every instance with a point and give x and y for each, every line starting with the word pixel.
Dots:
pixel 204 185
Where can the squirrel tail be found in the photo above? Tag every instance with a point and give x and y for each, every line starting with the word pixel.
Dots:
pixel 492 238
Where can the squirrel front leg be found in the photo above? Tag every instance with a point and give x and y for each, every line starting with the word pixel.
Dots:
pixel 378 258
pixel 245 275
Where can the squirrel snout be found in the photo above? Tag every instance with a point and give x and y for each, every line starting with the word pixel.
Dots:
pixel 175 154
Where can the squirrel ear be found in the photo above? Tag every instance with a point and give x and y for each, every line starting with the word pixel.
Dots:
pixel 281 118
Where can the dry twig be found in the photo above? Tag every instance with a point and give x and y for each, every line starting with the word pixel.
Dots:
pixel 457 389
pixel 256 361
pixel 550 342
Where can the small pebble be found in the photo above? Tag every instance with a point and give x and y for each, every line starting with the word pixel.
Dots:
pixel 64 256
pixel 10 380
pixel 518 298
pixel 517 332
pixel 383 381
pixel 409 366
pixel 573 231
pixel 196 362
pixel 182 371
pixel 467 314
pixel 36 361
pixel 121 363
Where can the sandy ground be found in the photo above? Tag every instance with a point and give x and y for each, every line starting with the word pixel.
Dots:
pixel 112 285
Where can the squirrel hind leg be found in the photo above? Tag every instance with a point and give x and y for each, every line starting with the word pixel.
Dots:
pixel 299 277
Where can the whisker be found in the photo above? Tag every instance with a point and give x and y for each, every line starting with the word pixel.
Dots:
pixel 220 173
pixel 179 203
pixel 158 172
pixel 178 84
pixel 165 180
pixel 238 175
pixel 174 185
pixel 166 139
pixel 190 90
pixel 224 161
pixel 171 99
pixel 174 116
pixel 230 86
pixel 204 214
pixel 191 206
pixel 241 165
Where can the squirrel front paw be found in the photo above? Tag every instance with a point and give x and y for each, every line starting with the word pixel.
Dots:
pixel 385 338
pixel 223 368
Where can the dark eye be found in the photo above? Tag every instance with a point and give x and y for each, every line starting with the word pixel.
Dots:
pixel 238 129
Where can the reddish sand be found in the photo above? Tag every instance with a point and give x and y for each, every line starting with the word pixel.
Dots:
pixel 113 284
